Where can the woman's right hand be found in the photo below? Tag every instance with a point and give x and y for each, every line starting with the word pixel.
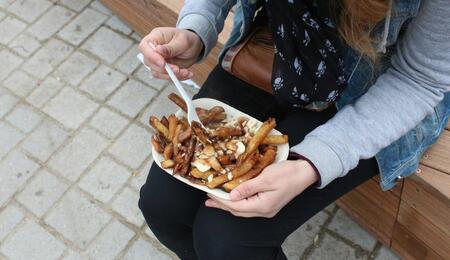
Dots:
pixel 178 47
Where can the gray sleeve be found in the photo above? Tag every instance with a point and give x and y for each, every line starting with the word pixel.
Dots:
pixel 206 18
pixel 402 97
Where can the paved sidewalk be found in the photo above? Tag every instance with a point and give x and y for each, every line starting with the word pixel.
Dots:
pixel 74 150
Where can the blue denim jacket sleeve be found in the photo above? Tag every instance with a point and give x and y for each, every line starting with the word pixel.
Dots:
pixel 400 98
pixel 206 18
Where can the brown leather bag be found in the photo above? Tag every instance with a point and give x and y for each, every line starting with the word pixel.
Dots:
pixel 252 59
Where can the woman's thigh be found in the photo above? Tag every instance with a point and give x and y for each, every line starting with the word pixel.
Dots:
pixel 237 237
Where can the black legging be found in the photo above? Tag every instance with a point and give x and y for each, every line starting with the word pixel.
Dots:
pixel 176 213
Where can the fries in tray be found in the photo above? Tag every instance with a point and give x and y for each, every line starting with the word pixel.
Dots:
pixel 230 147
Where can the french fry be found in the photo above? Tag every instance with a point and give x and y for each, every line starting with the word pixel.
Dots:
pixel 157 145
pixel 175 139
pixel 184 122
pixel 256 140
pixel 236 172
pixel 178 101
pixel 168 151
pixel 202 175
pixel 200 132
pixel 183 167
pixel 173 122
pixel 225 132
pixel 158 126
pixel 164 121
pixel 276 139
pixel 224 159
pixel 267 158
pixel 167 164
pixel 214 115
pixel 185 135
pixel 215 164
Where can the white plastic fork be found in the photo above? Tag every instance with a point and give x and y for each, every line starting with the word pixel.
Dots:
pixel 191 113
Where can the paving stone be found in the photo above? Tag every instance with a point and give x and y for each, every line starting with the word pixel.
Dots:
pixel 44 141
pixel 331 249
pixel 136 36
pixel 41 193
pixel 144 75
pixel 19 169
pixel 31 241
pixel 82 26
pixel 75 5
pixel 138 179
pixel 104 179
pixel 97 5
pixel 107 52
pixel 20 83
pixel 115 23
pixel 7 101
pixel 70 108
pixel 296 243
pixel 47 58
pixel 50 22
pixel 9 218
pixel 131 98
pixel 102 82
pixel 108 122
pixel 386 254
pixel 76 68
pixel 111 241
pixel 73 159
pixel 2 15
pixel 24 45
pixel 131 147
pixel 346 227
pixel 142 249
pixel 24 118
pixel 9 63
pixel 161 106
pixel 9 137
pixel 29 10
pixel 71 255
pixel 10 27
pixel 44 92
pixel 5 3
pixel 126 204
pixel 128 62
pixel 77 218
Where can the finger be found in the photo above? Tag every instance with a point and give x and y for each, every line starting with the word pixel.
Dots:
pixel 248 188
pixel 172 49
pixel 250 205
pixel 160 75
pixel 151 57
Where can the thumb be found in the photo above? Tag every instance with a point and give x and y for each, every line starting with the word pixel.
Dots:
pixel 172 49
pixel 246 189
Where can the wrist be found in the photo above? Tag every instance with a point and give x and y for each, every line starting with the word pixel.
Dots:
pixel 306 172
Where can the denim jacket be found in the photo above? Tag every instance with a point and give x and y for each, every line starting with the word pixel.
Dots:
pixel 401 158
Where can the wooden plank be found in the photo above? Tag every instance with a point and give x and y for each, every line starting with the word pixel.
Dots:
pixel 373 209
pixel 407 246
pixel 438 156
pixel 396 190
pixel 437 183
pixel 436 209
pixel 425 230
pixel 144 15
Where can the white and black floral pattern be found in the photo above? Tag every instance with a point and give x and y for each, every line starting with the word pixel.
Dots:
pixel 308 64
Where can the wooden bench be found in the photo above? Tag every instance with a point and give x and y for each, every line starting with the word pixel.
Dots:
pixel 413 219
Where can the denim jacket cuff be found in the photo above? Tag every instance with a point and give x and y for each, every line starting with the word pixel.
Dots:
pixel 324 159
pixel 203 28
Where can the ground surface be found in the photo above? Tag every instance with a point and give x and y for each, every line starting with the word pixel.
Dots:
pixel 74 104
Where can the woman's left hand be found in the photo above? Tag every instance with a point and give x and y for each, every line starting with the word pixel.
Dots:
pixel 268 193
